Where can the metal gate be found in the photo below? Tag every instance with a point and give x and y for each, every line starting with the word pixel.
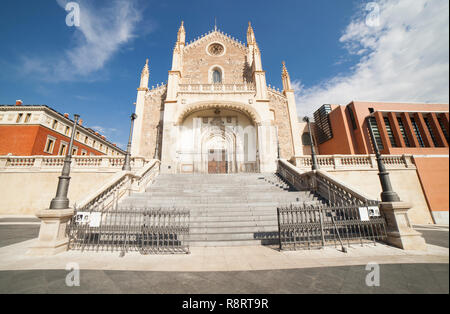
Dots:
pixel 148 231
pixel 307 227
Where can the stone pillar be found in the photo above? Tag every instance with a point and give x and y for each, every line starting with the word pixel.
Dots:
pixel 409 130
pixel 440 137
pixel 426 136
pixel 52 234
pixel 383 133
pixel 396 129
pixel 399 230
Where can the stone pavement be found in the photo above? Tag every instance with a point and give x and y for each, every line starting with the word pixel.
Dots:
pixel 247 269
pixel 14 257
pixel 397 278
pixel 434 234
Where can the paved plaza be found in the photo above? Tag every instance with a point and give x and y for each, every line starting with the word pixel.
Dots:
pixel 249 269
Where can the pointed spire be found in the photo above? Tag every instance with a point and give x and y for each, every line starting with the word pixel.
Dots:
pixel 286 79
pixel 181 37
pixel 250 35
pixel 144 76
pixel 145 70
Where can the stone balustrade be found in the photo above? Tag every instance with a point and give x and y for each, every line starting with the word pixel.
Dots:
pixel 27 163
pixel 216 88
pixel 328 187
pixel 122 184
pixel 352 162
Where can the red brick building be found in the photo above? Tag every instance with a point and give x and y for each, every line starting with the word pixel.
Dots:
pixel 27 130
pixel 421 130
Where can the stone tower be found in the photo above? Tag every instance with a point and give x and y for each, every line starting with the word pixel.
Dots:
pixel 216 114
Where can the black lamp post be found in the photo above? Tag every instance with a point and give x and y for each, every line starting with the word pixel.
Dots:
pixel 60 201
pixel 315 164
pixel 387 194
pixel 126 164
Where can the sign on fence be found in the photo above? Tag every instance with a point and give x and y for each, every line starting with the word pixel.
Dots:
pixel 90 218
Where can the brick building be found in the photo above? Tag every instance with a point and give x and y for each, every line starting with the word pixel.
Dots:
pixel 27 130
pixel 420 130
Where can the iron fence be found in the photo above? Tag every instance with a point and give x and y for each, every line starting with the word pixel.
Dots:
pixel 148 231
pixel 307 227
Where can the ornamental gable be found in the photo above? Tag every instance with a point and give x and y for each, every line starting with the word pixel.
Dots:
pixel 215 51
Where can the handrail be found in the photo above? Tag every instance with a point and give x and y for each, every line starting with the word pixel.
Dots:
pixel 120 185
pixel 322 183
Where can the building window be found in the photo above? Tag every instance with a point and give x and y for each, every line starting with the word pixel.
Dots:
pixel 403 132
pixel 94 143
pixel 101 147
pixel 430 129
pixel 67 130
pixel 217 76
pixel 107 150
pixel 78 136
pixel 389 132
pixel 62 149
pixel 49 145
pixel 83 152
pixel 322 126
pixel 86 140
pixel 19 117
pixel 74 151
pixel 272 115
pixel 55 124
pixel 376 133
pixel 352 118
pixel 443 128
pixel 417 132
pixel 28 117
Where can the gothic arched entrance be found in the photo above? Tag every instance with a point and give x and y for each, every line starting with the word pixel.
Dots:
pixel 217 141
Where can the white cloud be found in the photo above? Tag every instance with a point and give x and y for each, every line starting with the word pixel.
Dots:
pixel 104 131
pixel 102 32
pixel 405 58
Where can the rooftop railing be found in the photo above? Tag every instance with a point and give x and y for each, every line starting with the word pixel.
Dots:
pixel 216 88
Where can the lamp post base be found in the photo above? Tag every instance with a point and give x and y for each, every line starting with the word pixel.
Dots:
pixel 399 230
pixel 52 233
pixel 390 197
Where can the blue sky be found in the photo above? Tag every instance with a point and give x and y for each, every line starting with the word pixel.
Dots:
pixel 331 52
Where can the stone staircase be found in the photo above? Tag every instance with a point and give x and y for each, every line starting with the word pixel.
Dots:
pixel 225 210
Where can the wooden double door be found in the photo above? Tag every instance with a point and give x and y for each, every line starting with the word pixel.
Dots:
pixel 217 161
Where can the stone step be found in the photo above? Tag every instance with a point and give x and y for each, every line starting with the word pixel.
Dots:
pixel 224 199
pixel 228 230
pixel 227 236
pixel 225 210
pixel 191 205
pixel 232 243
pixel 220 224
pixel 230 219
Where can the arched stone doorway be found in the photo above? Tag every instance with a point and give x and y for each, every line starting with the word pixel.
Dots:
pixel 217 140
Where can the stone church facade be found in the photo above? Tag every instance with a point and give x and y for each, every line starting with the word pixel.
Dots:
pixel 216 114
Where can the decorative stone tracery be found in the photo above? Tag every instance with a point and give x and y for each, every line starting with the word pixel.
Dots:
pixel 250 112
